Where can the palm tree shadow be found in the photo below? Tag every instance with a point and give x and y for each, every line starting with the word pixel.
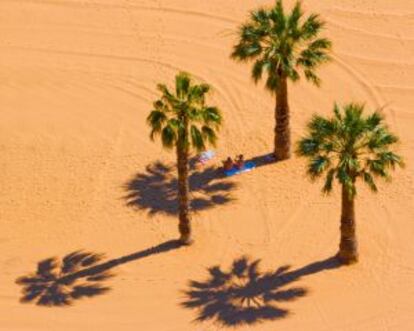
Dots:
pixel 156 189
pixel 244 295
pixel 78 275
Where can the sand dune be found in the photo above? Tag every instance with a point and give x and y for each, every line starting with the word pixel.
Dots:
pixel 77 81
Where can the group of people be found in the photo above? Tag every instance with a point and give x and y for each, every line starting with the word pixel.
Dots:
pixel 238 163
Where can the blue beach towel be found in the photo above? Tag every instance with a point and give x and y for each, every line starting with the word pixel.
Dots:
pixel 235 171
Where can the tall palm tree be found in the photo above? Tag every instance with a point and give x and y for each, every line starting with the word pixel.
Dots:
pixel 349 147
pixel 282 45
pixel 184 122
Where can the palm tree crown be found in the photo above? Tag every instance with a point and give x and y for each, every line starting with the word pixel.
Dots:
pixel 282 44
pixel 183 117
pixel 349 146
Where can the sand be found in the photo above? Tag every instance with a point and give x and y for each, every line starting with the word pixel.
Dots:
pixel 78 172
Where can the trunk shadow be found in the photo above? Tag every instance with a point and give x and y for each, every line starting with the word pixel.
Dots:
pixel 155 190
pixel 245 296
pixel 263 160
pixel 77 275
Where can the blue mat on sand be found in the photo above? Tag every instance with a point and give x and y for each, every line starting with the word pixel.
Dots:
pixel 235 171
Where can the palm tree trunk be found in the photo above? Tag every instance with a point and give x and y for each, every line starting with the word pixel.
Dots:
pixel 282 129
pixel 348 247
pixel 184 225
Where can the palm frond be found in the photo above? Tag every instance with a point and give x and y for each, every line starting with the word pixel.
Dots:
pixel 315 54
pixel 389 159
pixel 327 188
pixel 259 16
pixel 277 15
pixel 369 180
pixel 380 139
pixel 182 84
pixel 177 117
pixel 308 147
pixel 197 139
pixel 212 116
pixel 311 27
pixel 197 92
pixel 320 44
pixel 168 137
pixel 295 16
pixel 156 120
pixel 312 77
pixel 374 120
pixel 322 127
pixel 209 134
pixel 257 70
pixel 318 166
pixel 165 92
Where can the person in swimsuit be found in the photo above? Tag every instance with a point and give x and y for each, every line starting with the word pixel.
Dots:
pixel 240 162
pixel 228 164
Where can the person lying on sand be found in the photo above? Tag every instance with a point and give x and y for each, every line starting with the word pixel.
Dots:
pixel 228 164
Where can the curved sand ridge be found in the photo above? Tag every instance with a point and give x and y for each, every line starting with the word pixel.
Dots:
pixel 78 171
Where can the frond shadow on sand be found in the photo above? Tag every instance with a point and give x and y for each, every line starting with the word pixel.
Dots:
pixel 245 296
pixel 78 275
pixel 155 190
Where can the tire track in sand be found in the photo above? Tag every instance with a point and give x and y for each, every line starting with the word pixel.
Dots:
pixel 95 5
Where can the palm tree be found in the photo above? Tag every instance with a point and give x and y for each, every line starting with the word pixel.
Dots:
pixel 347 147
pixel 184 122
pixel 282 45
